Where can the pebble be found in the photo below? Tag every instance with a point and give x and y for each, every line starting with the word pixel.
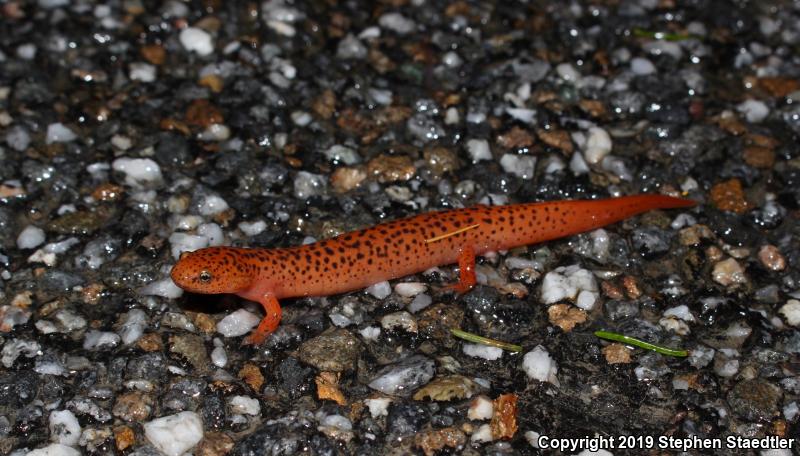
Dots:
pixel 378 406
pixel 380 290
pixel 15 348
pixel 405 376
pixel 238 323
pixel 791 312
pixel 351 47
pixel 307 185
pixel 642 66
pixel 333 351
pixel 139 172
pixel 244 405
pixel 338 153
pixel 480 408
pixel 478 150
pixel 30 237
pixel 755 399
pixel 174 435
pixel 64 427
pixel 399 320
pixel 54 449
pixel 397 23
pixel 539 365
pixel 567 282
pixel 754 111
pixel 97 340
pixel 196 40
pixel 482 351
pixel 133 326
pixel 142 72
pixel 522 166
pixel 59 133
pixel 771 258
pixel 729 273
pixel 409 289
pixel 597 146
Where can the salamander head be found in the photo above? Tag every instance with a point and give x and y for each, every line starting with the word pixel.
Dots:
pixel 213 270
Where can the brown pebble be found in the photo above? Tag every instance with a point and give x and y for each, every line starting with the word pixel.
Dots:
pixel 154 53
pixel 441 160
pixel 202 113
pixel 328 387
pixel 391 168
pixel 214 444
pixel 124 437
pixel 504 419
pixel 729 196
pixel 565 316
pixel 213 82
pixel 203 321
pixel 617 354
pixel 133 406
pixel 759 157
pixel 432 441
pixel 516 138
pixel 631 287
pixel 325 105
pixel 771 258
pixel 150 342
pixel 252 375
pixel 558 139
pixel 595 108
pixel 611 291
pixel 779 86
pixel 107 192
pixel 693 235
pixel 345 179
pixel 92 293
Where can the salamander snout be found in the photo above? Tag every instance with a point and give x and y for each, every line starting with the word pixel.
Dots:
pixel 212 270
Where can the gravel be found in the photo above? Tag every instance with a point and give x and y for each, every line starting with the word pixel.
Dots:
pixel 130 134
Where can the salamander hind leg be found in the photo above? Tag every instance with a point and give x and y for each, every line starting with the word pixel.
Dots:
pixel 466 267
pixel 268 324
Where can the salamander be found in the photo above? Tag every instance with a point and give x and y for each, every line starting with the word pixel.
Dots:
pixel 395 249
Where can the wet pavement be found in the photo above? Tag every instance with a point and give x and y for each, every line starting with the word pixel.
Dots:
pixel 132 131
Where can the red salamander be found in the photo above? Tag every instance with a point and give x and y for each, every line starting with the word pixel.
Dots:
pixel 394 249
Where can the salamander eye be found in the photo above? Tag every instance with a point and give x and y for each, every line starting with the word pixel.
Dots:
pixel 204 276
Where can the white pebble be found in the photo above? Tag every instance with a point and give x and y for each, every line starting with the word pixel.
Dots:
pixel 521 166
pixel 58 132
pixel 642 66
pixel 524 115
pixel 244 405
pixel 196 40
pixel 212 205
pixel 380 290
pixel 754 111
pixel 139 172
pixel 397 23
pixel 142 72
pixel 402 320
pixel 215 133
pixel 478 150
pixel 598 145
pixel 566 282
pixel 586 300
pixel 301 118
pixel 567 72
pixel 55 449
pixel 791 410
pixel 26 51
pixel 481 408
pixel 133 326
pixel 343 154
pixel 307 184
pixel 165 288
pixel 578 165
pixel 100 340
pixel 409 289
pixel 681 311
pixel 238 323
pixel 482 434
pixel 728 272
pixel 182 242
pixel 64 427
pixel 253 228
pixel 212 232
pixel 370 333
pixel 420 302
pixel 176 434
pixel 540 366
pixel 121 142
pixel 482 351
pixel 15 348
pixel 791 312
pixel 31 237
pixel 219 357
pixel 378 406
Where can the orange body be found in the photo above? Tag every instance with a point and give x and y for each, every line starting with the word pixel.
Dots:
pixel 360 258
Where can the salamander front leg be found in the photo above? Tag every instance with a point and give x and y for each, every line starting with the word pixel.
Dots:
pixel 466 267
pixel 269 323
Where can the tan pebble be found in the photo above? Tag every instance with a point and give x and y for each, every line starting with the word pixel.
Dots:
pixel 729 273
pixel 771 258
pixel 124 437
pixel 565 316
pixel 345 179
pixel 617 354
pixel 391 168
